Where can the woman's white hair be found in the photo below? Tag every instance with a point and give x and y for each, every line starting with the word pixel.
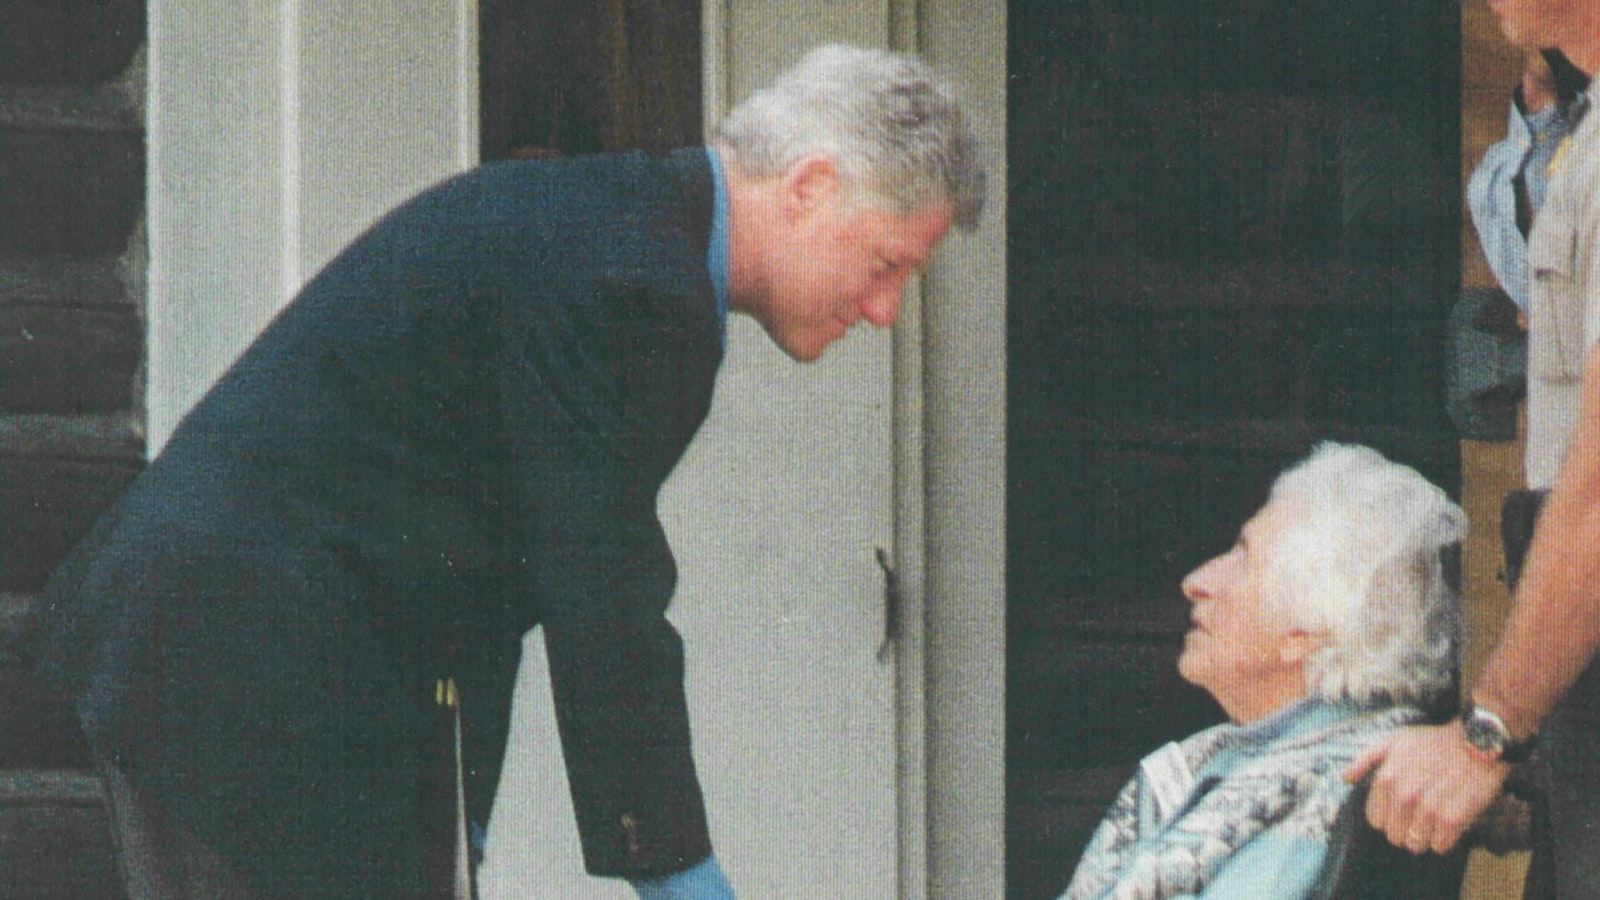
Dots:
pixel 891 126
pixel 1363 561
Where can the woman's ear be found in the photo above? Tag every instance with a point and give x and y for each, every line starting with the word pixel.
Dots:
pixel 1298 645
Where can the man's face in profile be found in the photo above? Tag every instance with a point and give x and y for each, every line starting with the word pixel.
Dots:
pixel 828 261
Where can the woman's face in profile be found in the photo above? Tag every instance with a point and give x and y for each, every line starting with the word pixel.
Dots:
pixel 1234 649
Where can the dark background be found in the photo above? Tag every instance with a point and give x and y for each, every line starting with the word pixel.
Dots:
pixel 1233 232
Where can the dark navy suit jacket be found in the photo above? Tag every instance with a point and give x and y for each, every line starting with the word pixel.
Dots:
pixel 456 431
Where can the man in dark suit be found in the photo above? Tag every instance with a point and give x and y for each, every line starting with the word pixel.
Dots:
pixel 457 431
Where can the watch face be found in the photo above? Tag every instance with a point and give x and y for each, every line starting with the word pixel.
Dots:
pixel 1481 733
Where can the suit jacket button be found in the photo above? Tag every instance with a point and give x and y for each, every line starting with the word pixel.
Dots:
pixel 630 827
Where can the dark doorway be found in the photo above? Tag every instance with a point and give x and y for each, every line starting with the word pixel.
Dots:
pixel 565 77
pixel 1234 232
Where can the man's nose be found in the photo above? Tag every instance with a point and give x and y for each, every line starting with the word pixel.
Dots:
pixel 881 306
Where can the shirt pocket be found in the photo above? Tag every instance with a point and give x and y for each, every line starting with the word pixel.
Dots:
pixel 1553 241
pixel 1556 305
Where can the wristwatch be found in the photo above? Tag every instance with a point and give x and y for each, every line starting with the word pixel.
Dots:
pixel 1488 735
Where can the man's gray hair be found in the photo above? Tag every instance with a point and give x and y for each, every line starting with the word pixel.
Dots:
pixel 1363 560
pixel 891 126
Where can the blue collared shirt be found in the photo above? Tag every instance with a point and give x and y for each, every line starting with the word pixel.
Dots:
pixel 717 252
pixel 1526 150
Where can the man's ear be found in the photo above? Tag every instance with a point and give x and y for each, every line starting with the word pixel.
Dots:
pixel 808 183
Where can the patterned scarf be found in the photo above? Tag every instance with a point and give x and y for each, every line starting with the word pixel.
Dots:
pixel 1169 832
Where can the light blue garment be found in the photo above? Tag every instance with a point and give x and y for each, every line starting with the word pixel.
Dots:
pixel 1526 150
pixel 1282 861
pixel 1236 811
pixel 703 882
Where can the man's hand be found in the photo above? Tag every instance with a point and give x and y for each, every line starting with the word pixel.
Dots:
pixel 1429 786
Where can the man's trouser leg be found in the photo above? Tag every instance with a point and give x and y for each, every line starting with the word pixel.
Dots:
pixel 1571 747
pixel 1518 515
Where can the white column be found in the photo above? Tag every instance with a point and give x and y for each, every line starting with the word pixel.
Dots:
pixel 277 131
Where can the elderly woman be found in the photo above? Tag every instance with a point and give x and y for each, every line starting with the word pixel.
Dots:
pixel 1329 624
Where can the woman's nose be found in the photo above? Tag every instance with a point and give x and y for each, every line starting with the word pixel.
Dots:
pixel 1196 585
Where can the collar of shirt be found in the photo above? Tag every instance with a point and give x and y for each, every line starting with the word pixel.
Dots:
pixel 1547 123
pixel 717 252
pixel 1526 130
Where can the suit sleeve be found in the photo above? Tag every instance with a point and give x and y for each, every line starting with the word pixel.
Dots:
pixel 595 563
